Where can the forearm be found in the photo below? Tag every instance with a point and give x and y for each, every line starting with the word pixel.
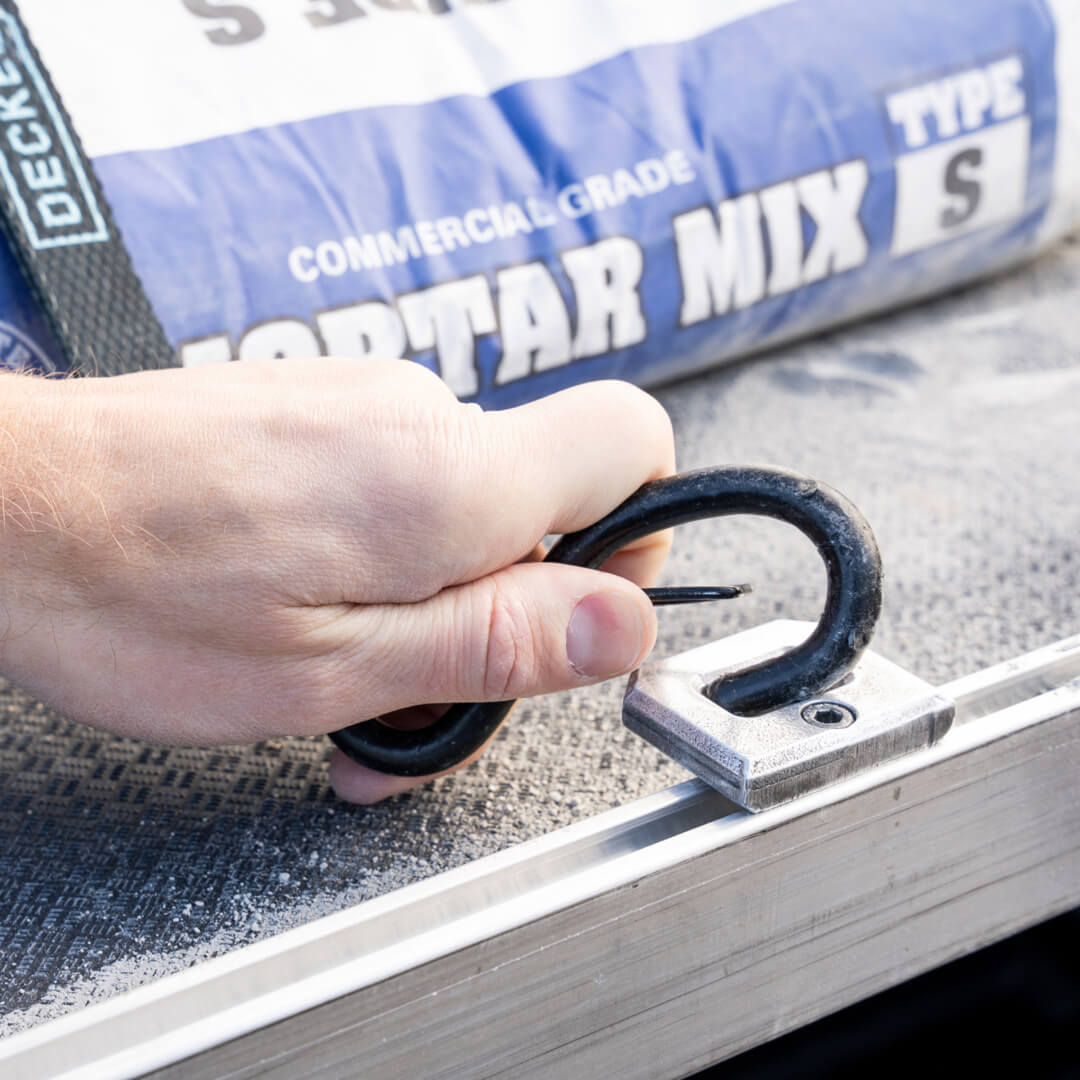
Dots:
pixel 48 521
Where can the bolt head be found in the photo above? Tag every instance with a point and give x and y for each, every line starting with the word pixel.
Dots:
pixel 828 714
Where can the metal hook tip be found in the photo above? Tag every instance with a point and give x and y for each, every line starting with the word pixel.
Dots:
pixel 696 594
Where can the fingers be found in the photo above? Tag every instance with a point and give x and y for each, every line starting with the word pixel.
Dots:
pixel 359 784
pixel 531 628
pixel 555 466
pixel 356 784
pixel 581 452
pixel 625 437
pixel 641 561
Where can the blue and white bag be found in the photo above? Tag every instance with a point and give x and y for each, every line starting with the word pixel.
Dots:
pixel 524 194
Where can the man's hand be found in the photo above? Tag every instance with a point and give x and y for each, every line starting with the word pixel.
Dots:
pixel 227 554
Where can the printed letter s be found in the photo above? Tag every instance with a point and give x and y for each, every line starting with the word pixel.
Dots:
pixel 240 24
pixel 963 186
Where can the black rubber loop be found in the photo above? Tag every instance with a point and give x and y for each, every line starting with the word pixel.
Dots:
pixel 852 605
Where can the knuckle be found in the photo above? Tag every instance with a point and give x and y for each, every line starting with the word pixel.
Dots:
pixel 512 657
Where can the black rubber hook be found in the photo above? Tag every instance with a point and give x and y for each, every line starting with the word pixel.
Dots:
pixel 852 605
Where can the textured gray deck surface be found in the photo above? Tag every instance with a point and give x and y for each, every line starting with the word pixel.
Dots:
pixel 955 426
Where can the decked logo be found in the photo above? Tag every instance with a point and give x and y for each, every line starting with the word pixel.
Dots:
pixel 39 165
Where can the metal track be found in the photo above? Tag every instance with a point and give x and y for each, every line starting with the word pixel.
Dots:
pixel 646 942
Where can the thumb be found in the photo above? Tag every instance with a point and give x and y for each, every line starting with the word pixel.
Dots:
pixel 531 628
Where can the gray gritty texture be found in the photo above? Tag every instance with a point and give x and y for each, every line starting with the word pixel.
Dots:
pixel 955 426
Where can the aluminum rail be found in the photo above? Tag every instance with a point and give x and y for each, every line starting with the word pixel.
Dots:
pixel 649 941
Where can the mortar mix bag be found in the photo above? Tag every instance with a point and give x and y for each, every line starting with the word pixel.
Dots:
pixel 525 194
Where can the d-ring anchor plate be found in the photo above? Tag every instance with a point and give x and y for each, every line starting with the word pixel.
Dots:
pixel 877 713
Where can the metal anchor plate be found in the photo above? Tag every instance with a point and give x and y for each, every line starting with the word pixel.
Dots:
pixel 877 713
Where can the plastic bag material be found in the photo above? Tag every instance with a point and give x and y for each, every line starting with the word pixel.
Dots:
pixel 525 194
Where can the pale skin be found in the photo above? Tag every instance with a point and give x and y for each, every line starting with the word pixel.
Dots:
pixel 233 553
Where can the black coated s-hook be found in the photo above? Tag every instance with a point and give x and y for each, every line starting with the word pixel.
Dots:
pixel 852 605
